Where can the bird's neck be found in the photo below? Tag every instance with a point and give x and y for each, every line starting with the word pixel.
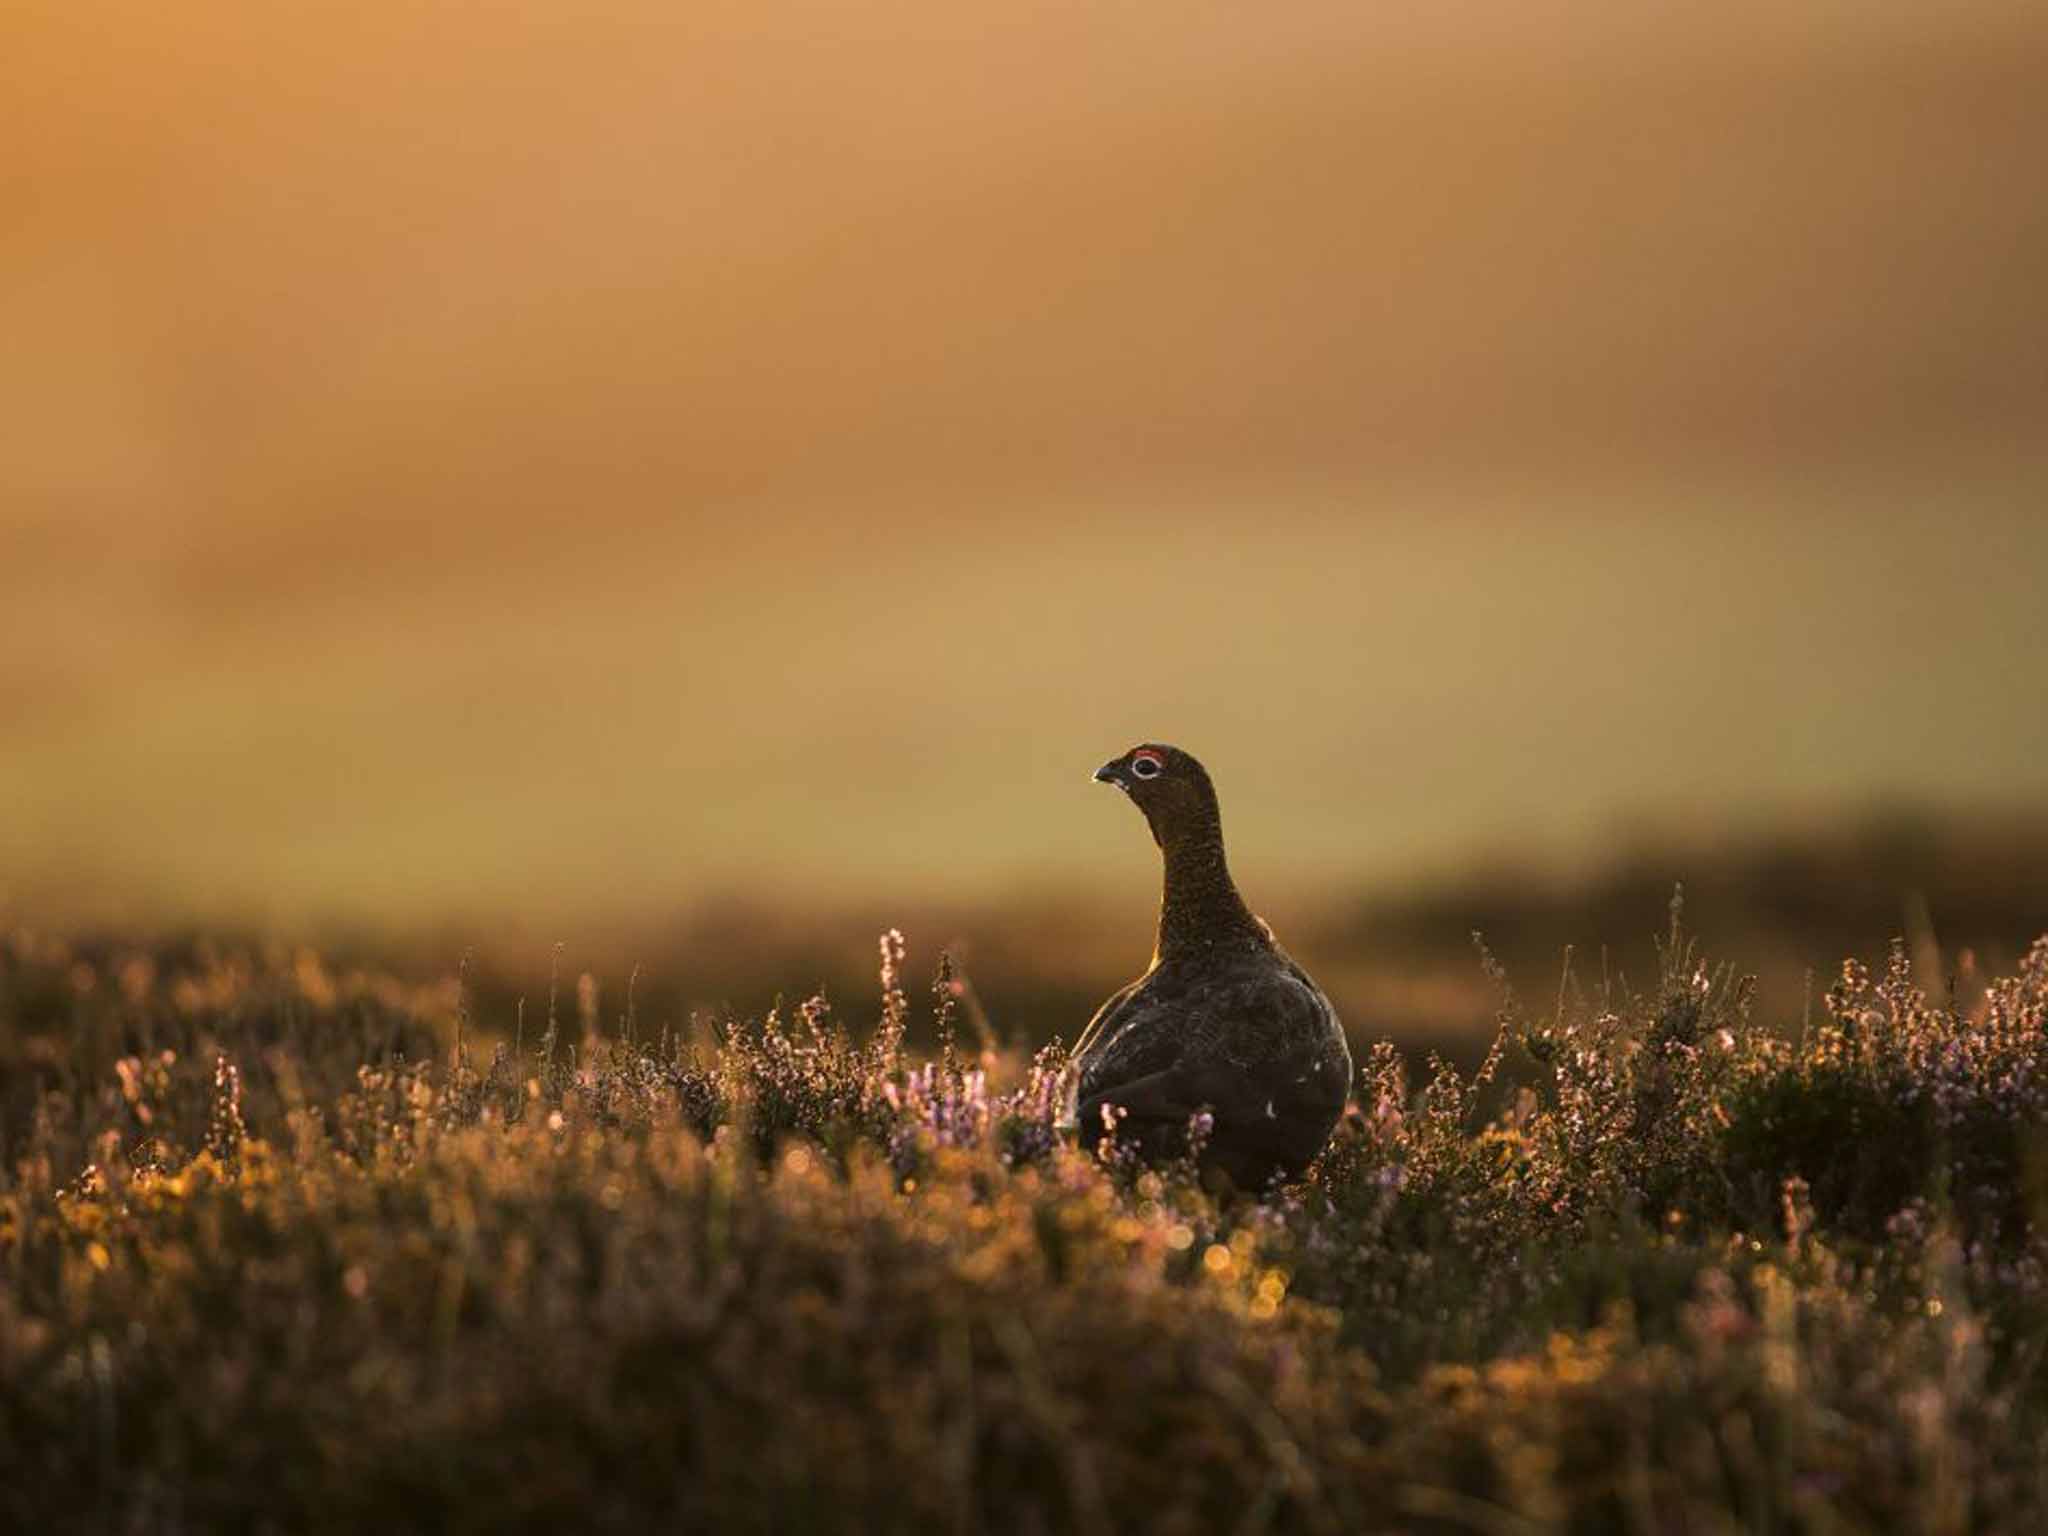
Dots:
pixel 1200 908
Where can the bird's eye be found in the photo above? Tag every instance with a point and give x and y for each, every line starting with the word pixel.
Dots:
pixel 1146 766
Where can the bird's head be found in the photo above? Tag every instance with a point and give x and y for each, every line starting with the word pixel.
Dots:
pixel 1169 786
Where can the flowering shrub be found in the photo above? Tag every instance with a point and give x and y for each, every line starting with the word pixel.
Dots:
pixel 279 1249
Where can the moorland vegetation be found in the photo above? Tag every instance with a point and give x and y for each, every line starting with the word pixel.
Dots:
pixel 290 1249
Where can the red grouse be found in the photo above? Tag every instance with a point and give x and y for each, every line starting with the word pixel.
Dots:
pixel 1223 1020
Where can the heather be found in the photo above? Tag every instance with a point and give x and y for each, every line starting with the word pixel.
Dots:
pixel 286 1246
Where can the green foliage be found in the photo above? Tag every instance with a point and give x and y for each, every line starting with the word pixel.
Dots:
pixel 278 1253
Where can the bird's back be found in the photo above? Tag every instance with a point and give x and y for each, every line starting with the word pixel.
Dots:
pixel 1243 1033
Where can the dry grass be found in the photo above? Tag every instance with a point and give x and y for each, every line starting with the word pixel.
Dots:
pixel 282 1249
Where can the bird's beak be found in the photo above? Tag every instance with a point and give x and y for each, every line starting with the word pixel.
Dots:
pixel 1108 773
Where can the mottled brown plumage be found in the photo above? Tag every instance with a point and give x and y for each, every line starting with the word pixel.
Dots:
pixel 1223 1020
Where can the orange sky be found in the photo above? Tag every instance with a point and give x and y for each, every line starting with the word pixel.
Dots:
pixel 628 448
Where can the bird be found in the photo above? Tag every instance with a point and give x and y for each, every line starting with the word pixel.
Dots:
pixel 1222 1021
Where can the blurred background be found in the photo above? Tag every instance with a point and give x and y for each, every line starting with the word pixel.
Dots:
pixel 701 483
